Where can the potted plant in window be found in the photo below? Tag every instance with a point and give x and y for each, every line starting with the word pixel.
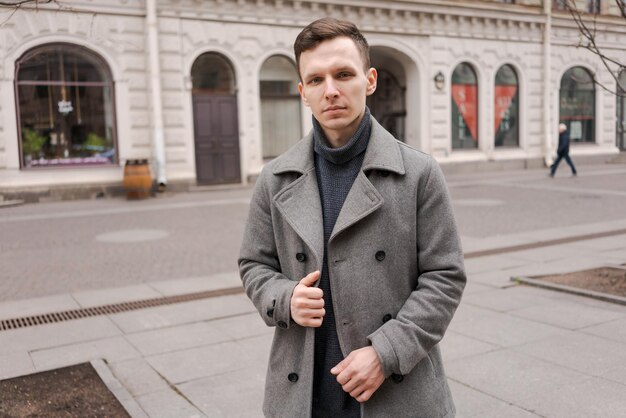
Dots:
pixel 32 144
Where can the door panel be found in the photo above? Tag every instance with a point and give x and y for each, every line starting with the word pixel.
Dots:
pixel 216 139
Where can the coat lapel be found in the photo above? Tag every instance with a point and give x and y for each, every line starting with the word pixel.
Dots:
pixel 299 202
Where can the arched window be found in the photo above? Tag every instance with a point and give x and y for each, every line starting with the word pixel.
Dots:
pixel 577 107
pixel 65 107
pixel 506 108
pixel 464 107
pixel 621 111
pixel 280 106
pixel 212 73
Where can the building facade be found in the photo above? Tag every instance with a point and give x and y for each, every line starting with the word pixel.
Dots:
pixel 206 90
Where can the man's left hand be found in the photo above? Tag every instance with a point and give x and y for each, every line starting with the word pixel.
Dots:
pixel 360 374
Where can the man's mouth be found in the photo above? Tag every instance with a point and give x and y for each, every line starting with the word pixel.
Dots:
pixel 331 108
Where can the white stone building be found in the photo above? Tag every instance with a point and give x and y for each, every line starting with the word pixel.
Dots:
pixel 206 89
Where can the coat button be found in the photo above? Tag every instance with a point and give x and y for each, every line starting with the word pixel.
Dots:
pixel 282 324
pixel 293 377
pixel 270 312
pixel 301 257
pixel 397 378
pixel 386 318
pixel 380 255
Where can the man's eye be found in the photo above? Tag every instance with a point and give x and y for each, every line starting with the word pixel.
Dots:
pixel 315 80
pixel 344 75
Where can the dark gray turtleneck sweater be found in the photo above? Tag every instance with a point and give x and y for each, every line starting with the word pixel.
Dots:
pixel 336 170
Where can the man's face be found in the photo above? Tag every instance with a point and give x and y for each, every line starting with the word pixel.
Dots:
pixel 334 85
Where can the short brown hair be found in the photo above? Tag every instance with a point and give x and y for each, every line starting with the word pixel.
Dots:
pixel 328 28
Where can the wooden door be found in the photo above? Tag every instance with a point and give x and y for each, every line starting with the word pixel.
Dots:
pixel 216 139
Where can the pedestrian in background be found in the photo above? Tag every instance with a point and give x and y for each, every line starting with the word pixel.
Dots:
pixel 562 151
pixel 351 251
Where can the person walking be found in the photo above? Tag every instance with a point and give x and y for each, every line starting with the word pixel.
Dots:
pixel 352 252
pixel 562 151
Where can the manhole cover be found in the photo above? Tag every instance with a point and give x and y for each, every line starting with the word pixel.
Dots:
pixel 478 202
pixel 132 235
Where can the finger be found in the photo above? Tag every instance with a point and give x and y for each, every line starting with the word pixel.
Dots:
pixel 343 378
pixel 311 313
pixel 309 292
pixel 365 396
pixel 312 322
pixel 352 386
pixel 356 392
pixel 310 303
pixel 339 367
pixel 310 279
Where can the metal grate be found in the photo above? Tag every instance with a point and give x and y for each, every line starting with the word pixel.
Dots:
pixel 50 318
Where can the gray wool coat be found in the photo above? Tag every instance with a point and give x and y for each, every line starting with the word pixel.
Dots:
pixel 395 265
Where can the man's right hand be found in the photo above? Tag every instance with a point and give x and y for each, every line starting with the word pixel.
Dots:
pixel 307 303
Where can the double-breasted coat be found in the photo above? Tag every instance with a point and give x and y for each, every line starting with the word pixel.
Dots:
pixel 396 272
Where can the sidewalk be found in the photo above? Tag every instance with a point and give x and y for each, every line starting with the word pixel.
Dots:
pixel 511 351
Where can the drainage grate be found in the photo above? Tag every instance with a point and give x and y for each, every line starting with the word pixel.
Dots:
pixel 50 318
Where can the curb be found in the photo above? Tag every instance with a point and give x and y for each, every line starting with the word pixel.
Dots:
pixel 569 289
pixel 10 203
pixel 118 390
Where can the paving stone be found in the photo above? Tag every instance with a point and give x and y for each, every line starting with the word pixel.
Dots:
pixel 590 398
pixel 502 329
pixel 498 278
pixel 37 306
pixel 168 404
pixel 53 335
pixel 552 253
pixel 456 346
pixel 181 337
pixel 565 314
pixel 511 376
pixel 182 313
pixel 237 393
pixel 115 295
pixel 617 375
pixel 505 300
pixel 15 364
pixel 110 349
pixel 243 326
pixel 118 390
pixel 197 284
pixel 602 244
pixel 471 403
pixel 138 377
pixel 586 353
pixel 257 348
pixel 196 363
pixel 491 263
pixel 472 287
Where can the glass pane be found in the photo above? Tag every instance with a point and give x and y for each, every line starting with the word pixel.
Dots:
pixel 506 108
pixel 62 63
pixel 464 108
pixel 280 119
pixel 279 72
pixel 577 104
pixel 212 72
pixel 64 126
pixel 577 78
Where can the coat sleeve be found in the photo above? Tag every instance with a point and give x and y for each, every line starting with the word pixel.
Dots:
pixel 259 266
pixel 404 341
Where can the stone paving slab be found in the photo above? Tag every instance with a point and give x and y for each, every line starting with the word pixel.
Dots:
pixel 168 404
pixel 541 255
pixel 118 390
pixel 15 364
pixel 111 296
pixel 138 377
pixel 455 346
pixel 243 326
pixel 110 349
pixel 197 284
pixel 505 300
pixel 488 263
pixel 471 403
pixel 37 306
pixel 611 330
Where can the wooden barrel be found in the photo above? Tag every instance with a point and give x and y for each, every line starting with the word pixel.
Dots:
pixel 137 179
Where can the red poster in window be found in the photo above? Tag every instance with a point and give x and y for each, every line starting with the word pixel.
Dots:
pixel 465 97
pixel 504 99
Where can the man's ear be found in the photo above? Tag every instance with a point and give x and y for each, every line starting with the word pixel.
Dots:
pixel 301 91
pixel 372 77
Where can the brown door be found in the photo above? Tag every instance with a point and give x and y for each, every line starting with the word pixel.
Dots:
pixel 216 139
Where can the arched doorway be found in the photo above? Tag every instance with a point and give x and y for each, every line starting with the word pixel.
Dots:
pixel 388 103
pixel 65 108
pixel 280 106
pixel 464 98
pixel 577 104
pixel 621 111
pixel 506 108
pixel 216 127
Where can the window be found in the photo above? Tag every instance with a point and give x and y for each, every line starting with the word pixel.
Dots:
pixel 577 104
pixel 506 108
pixel 280 106
pixel 464 107
pixel 593 6
pixel 65 107
pixel 621 111
pixel 212 73
pixel 559 4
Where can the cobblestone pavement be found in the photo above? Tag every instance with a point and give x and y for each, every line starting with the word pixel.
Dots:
pixel 60 247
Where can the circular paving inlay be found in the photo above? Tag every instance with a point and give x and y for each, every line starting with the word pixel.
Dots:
pixel 132 235
pixel 478 202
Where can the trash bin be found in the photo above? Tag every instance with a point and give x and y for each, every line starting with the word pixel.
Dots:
pixel 137 179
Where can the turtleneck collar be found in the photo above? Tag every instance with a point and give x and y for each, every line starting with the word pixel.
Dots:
pixel 355 145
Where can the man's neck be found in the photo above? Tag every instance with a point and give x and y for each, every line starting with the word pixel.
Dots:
pixel 337 139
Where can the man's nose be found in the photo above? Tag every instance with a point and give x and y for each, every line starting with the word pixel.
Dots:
pixel 331 89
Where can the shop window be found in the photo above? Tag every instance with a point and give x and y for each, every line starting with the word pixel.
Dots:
pixel 577 104
pixel 464 107
pixel 65 108
pixel 280 106
pixel 621 111
pixel 506 108
pixel 212 73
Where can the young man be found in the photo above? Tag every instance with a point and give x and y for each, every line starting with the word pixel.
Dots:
pixel 352 252
pixel 562 152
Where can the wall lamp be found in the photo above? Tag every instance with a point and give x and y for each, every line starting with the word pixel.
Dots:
pixel 439 80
